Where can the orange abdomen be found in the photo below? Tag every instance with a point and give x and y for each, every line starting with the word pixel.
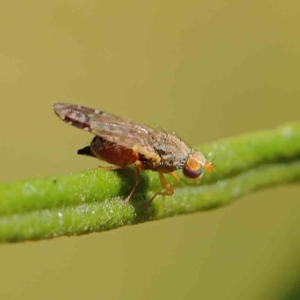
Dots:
pixel 112 153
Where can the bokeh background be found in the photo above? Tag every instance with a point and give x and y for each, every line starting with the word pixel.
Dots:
pixel 205 69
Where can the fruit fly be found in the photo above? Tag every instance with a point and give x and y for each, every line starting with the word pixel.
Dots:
pixel 121 143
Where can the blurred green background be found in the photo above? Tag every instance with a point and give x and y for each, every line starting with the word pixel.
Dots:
pixel 205 69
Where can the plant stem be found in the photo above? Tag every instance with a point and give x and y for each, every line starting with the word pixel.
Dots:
pixel 91 201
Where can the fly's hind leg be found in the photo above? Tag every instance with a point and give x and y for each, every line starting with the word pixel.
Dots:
pixel 137 165
pixel 168 188
pixel 110 168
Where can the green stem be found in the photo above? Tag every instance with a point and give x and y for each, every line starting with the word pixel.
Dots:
pixel 92 201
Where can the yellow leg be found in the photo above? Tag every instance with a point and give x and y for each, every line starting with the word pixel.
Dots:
pixel 110 168
pixel 168 188
pixel 175 175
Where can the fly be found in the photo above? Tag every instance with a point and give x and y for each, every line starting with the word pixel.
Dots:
pixel 121 143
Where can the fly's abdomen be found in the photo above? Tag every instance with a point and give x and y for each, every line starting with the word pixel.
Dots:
pixel 112 153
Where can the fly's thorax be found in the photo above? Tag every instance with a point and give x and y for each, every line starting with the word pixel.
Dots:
pixel 172 151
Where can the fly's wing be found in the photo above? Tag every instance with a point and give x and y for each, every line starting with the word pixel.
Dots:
pixel 112 128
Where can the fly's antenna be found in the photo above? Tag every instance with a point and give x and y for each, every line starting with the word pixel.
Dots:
pixel 209 165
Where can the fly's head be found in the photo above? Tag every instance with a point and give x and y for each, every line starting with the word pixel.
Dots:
pixel 195 165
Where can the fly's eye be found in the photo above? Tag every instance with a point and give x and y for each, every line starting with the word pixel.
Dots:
pixel 192 168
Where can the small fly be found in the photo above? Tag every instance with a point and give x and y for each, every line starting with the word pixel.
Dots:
pixel 121 143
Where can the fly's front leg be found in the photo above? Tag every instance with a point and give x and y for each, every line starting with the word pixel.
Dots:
pixel 175 175
pixel 168 188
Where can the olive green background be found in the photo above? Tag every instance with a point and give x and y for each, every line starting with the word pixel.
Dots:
pixel 205 69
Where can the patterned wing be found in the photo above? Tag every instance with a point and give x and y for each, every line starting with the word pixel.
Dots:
pixel 112 128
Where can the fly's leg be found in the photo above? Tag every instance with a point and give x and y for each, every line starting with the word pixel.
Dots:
pixel 138 164
pixel 110 168
pixel 175 175
pixel 168 188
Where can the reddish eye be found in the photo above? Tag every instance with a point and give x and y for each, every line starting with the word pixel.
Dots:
pixel 192 168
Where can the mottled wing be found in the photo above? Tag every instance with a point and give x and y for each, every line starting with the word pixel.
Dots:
pixel 112 128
